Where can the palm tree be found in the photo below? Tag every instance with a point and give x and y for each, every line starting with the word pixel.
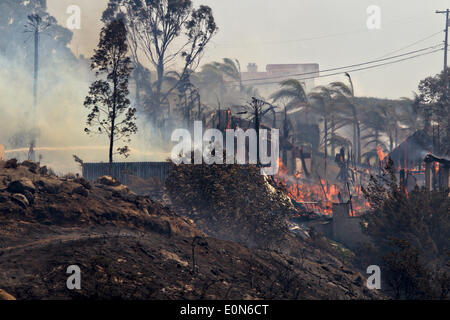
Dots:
pixel 213 81
pixel 293 95
pixel 210 80
pixel 322 104
pixel 390 123
pixel 188 94
pixel 346 96
pixel 373 124
pixel 293 91
pixel 409 116
pixel 232 69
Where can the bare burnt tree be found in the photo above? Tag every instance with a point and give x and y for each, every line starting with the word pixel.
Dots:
pixel 166 31
pixel 110 110
pixel 36 24
pixel 257 109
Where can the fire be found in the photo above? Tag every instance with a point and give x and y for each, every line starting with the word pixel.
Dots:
pixel 317 196
pixel 228 119
pixel 380 153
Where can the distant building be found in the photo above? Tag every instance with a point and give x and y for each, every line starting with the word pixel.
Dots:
pixel 267 82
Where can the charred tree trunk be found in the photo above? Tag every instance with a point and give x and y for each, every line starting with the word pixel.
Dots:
pixel 325 137
pixel 359 142
pixel 36 67
pixel 257 134
pixel 113 123
pixel 333 147
pixel 391 142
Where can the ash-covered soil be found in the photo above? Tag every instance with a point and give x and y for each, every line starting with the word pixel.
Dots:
pixel 130 247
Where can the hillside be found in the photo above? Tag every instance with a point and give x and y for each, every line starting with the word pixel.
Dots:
pixel 130 247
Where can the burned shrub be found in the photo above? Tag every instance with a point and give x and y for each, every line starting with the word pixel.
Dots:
pixel 32 166
pixel 232 202
pixel 11 164
pixel 21 185
pixel 410 233
pixel 84 182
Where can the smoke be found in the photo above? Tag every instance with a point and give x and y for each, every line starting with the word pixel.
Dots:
pixel 58 121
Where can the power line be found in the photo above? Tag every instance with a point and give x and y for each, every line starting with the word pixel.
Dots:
pixel 339 68
pixel 359 69
pixel 325 36
pixel 411 45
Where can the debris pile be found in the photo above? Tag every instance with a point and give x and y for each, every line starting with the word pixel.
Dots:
pixel 232 202
pixel 151 186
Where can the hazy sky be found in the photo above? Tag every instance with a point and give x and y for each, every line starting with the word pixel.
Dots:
pixel 332 33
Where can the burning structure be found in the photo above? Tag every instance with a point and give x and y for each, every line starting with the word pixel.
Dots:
pixel 410 153
pixel 417 165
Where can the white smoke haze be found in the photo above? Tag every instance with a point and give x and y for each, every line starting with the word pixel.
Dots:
pixel 60 117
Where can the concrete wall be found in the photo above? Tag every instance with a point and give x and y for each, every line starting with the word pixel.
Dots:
pixel 345 228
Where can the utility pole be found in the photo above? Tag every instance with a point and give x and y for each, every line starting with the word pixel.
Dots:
pixel 447 17
pixel 446 84
pixel 36 66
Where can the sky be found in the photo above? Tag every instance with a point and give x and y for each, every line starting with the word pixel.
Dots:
pixel 332 33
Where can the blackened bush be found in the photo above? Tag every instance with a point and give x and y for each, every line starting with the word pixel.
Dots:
pixel 410 235
pixel 232 202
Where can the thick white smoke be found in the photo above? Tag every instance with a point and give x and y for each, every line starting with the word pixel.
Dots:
pixel 60 115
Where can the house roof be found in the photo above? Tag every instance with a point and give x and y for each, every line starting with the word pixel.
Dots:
pixel 412 151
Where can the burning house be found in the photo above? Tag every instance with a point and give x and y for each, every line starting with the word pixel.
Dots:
pixel 417 165
pixel 410 153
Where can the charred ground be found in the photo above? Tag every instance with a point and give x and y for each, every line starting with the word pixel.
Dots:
pixel 130 247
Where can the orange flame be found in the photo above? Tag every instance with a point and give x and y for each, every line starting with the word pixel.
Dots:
pixel 316 196
pixel 380 153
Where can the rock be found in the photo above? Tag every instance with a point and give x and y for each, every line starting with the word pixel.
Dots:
pixel 81 191
pixel 11 164
pixel 29 196
pixel 3 198
pixel 21 185
pixel 51 186
pixel 85 183
pixel 5 295
pixel 67 187
pixel 43 170
pixel 21 200
pixel 358 281
pixel 120 189
pixel 108 181
pixel 32 166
